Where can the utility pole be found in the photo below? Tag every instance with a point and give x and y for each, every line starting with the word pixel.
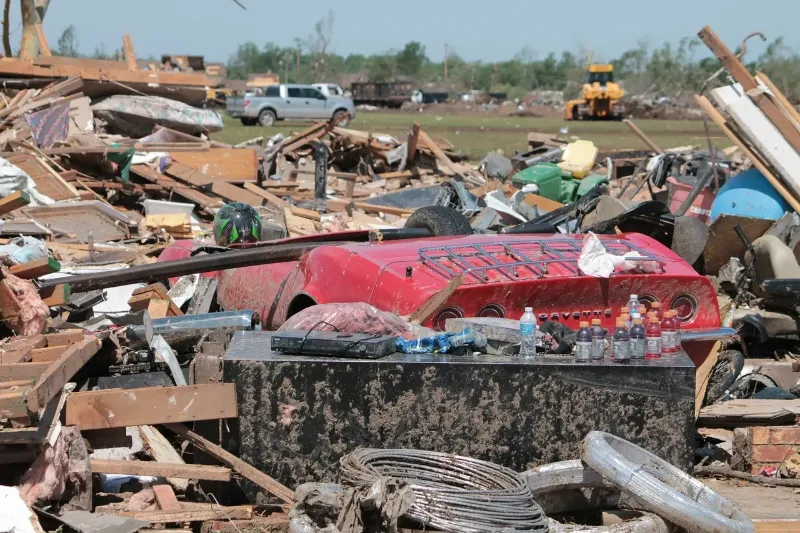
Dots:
pixel 445 62
pixel 297 65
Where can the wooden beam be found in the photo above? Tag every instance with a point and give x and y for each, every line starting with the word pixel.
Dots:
pixel 161 450
pixel 374 208
pixel 60 372
pixel 44 47
pixel 266 195
pixel 435 302
pixel 12 404
pixel 18 371
pixel 245 469
pixel 236 194
pixel 719 120
pixel 153 405
pixel 779 96
pixel 55 295
pixel 413 140
pixel 165 497
pixel 64 338
pixel 445 162
pixel 645 139
pixel 44 355
pixel 163 517
pixel 740 73
pixel 14 201
pixel 306 213
pixel 130 56
pixel 35 269
pixel 168 470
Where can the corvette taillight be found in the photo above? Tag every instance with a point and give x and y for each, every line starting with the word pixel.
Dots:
pixel 686 306
pixel 492 311
pixel 448 312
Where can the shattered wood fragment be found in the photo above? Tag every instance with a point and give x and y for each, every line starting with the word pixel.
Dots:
pixel 35 269
pixel 130 56
pixel 14 201
pixel 243 468
pixel 163 517
pixel 56 295
pixel 165 497
pixel 18 371
pixel 60 372
pixel 266 195
pixel 436 301
pixel 154 405
pixel 64 338
pixel 161 450
pixel 167 470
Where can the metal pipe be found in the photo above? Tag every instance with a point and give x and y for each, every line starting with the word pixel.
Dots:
pixel 260 255
pixel 238 320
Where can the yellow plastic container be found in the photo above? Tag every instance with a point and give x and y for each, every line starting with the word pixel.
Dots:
pixel 579 158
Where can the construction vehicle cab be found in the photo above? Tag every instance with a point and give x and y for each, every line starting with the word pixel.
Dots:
pixel 601 96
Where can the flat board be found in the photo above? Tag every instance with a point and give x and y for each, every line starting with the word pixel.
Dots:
pixel 222 164
pixel 80 218
pixel 48 182
pixel 154 405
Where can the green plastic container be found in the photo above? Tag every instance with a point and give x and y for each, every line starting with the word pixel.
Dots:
pixel 547 176
pixel 569 191
pixel 588 182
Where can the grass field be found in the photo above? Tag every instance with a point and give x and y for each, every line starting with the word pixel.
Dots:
pixel 475 135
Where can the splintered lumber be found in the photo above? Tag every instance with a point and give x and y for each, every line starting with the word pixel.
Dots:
pixel 448 167
pixel 168 470
pixel 304 137
pixel 14 201
pixel 436 301
pixel 233 193
pixel 165 497
pixel 161 450
pixel 306 213
pixel 19 371
pixel 779 96
pixel 44 47
pixel 703 376
pixel 740 73
pixel 243 468
pixel 375 208
pixel 195 515
pixel 55 295
pixel 130 56
pixel 266 195
pixel 12 404
pixel 298 226
pixel 60 372
pixel 720 121
pixel 154 405
pixel 35 269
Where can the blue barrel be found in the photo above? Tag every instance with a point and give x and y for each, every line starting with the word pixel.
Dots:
pixel 749 194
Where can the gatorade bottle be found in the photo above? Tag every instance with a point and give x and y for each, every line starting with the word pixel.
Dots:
pixel 527 330
pixel 656 308
pixel 677 321
pixel 625 309
pixel 627 318
pixel 637 340
pixel 598 340
pixel 668 334
pixel 642 312
pixel 621 343
pixel 633 305
pixel 583 351
pixel 653 338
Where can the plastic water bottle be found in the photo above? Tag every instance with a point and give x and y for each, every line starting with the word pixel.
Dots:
pixel 653 338
pixel 527 329
pixel 583 350
pixel 598 340
pixel 637 340
pixel 621 343
pixel 633 305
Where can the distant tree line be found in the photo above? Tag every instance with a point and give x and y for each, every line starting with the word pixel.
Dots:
pixel 668 70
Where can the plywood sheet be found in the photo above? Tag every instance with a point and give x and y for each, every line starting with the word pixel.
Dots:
pixel 222 164
pixel 48 182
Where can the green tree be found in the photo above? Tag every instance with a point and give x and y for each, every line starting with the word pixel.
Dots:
pixel 381 68
pixel 411 59
pixel 68 42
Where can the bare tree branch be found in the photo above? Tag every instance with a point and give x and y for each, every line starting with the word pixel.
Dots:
pixel 6 40
pixel 238 3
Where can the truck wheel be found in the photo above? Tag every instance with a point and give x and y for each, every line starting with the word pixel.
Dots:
pixel 267 118
pixel 344 121
pixel 249 121
pixel 440 221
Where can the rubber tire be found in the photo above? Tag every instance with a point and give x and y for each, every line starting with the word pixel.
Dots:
pixel 440 221
pixel 249 121
pixel 267 118
pixel 658 487
pixel 724 374
pixel 343 123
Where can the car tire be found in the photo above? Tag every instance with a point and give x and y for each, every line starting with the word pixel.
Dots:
pixel 724 373
pixel 344 122
pixel 249 121
pixel 267 118
pixel 440 221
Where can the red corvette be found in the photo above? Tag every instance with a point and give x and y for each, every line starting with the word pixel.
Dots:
pixel 501 274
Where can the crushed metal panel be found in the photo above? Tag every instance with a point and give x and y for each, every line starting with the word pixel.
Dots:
pixel 80 218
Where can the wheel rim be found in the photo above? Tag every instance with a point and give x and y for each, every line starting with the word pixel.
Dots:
pixel 266 119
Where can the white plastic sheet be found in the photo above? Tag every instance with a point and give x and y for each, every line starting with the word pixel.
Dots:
pixel 13 179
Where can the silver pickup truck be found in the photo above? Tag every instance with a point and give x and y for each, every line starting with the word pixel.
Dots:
pixel 280 102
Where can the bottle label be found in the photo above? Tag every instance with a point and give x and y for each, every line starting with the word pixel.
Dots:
pixel 583 351
pixel 678 340
pixel 598 346
pixel 526 328
pixel 622 350
pixel 635 314
pixel 637 348
pixel 668 341
pixel 654 345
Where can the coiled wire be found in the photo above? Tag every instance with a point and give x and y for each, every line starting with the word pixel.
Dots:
pixel 453 493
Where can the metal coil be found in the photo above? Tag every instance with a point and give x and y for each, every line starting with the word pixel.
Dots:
pixel 453 493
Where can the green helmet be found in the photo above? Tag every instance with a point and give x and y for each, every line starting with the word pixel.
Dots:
pixel 237 223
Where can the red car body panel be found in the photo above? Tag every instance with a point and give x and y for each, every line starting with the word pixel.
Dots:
pixel 393 276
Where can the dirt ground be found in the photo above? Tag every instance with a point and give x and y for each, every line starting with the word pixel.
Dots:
pixel 759 502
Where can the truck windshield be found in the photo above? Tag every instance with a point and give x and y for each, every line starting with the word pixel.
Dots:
pixel 600 77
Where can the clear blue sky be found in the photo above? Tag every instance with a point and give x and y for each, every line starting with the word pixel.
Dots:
pixel 475 29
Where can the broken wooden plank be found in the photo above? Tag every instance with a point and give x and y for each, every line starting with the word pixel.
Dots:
pixel 784 102
pixel 14 201
pixel 266 195
pixel 233 193
pixel 153 405
pixel 446 165
pixel 166 499
pixel 195 515
pixel 702 377
pixel 306 213
pixel 64 337
pixel 374 208
pixel 297 226
pixel 168 470
pixel 740 73
pixel 60 372
pixel 44 355
pixel 44 47
pixel 12 404
pixel 304 137
pixel 130 55
pixel 35 269
pixel 222 164
pixel 245 469
pixel 162 451
pixel 740 413
pixel 55 295
pixel 435 302
pixel 18 371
